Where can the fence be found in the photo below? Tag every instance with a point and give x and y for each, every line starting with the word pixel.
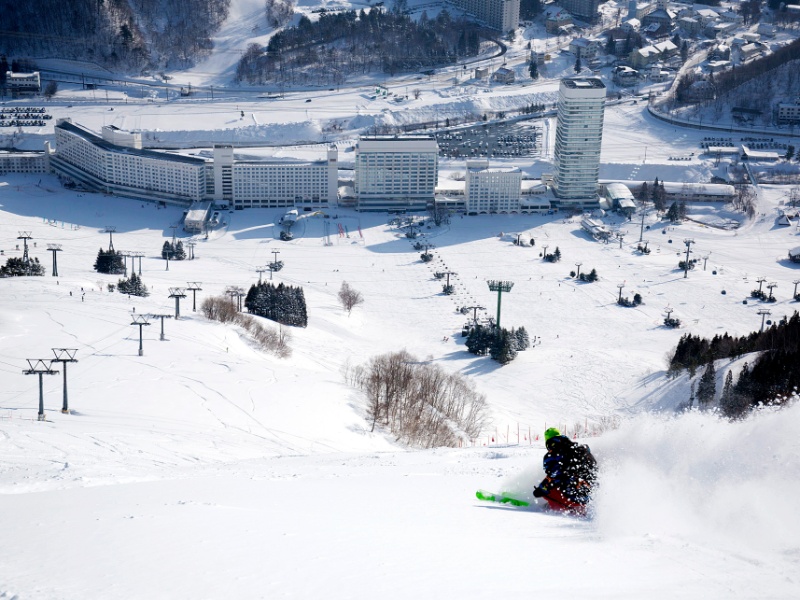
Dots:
pixel 525 435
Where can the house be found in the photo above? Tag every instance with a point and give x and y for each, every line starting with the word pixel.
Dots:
pixel 749 52
pixel 731 17
pixel 503 75
pixel 789 113
pixel 639 10
pixel 720 52
pixel 481 72
pixel 706 16
pixel 644 57
pixel 585 48
pixel 766 30
pixel 631 25
pixel 625 76
pixel 556 17
pixel 619 196
pixel 690 26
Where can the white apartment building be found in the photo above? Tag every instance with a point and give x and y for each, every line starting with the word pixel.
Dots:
pixel 579 133
pixel 23 83
pixel 396 173
pixel 116 163
pixel 492 189
pixel 789 113
pixel 25 162
pixel 502 15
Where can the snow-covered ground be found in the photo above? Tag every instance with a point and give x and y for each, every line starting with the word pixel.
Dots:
pixel 208 468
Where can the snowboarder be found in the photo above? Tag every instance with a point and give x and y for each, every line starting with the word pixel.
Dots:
pixel 571 471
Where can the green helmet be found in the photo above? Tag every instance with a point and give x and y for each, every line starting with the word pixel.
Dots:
pixel 551 433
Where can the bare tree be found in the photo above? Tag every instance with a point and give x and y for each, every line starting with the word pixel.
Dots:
pixel 349 298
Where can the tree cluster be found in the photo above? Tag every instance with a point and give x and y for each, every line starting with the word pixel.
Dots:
pixel 219 308
pixel 589 277
pixel 118 34
pixel 110 262
pixel 421 404
pixel 133 286
pixel 501 345
pixel 279 12
pixel 553 256
pixel 281 303
pixel 773 373
pixel 627 302
pixel 342 43
pixel 173 251
pixel 17 267
pixel 677 212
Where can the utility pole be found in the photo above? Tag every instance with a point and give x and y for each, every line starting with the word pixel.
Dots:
pixel 688 243
pixel 499 287
pixel 141 321
pixel 162 317
pixel 110 229
pixel 64 356
pixel 764 312
pixel 37 366
pixel 177 293
pixel 194 287
pixel 54 248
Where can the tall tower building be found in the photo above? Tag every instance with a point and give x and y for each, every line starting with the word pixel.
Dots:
pixel 579 132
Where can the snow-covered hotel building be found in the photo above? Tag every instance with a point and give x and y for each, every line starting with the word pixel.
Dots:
pixel 579 133
pixel 492 189
pixel 502 15
pixel 116 163
pixel 396 173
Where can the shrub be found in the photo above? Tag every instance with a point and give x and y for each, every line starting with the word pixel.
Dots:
pixel 219 308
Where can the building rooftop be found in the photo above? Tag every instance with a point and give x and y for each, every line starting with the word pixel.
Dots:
pixel 584 83
pixel 101 143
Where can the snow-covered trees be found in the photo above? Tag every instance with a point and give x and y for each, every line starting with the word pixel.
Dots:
pixel 173 251
pixel 421 404
pixel 279 12
pixel 284 304
pixel 219 308
pixel 133 286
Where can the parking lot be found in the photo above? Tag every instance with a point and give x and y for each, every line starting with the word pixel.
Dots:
pixel 491 140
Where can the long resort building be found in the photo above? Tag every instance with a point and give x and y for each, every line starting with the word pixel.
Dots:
pixel 116 163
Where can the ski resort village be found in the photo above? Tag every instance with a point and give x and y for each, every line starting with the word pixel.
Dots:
pixel 402 299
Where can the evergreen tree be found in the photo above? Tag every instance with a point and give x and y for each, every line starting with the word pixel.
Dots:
pixel 179 253
pixel 578 65
pixel 523 340
pixel 644 192
pixel 282 304
pixel 17 267
pixel 504 347
pixel 708 385
pixel 684 51
pixel 133 286
pixel 673 214
pixel 533 69
pixel 479 340
pixel 557 254
pixel 167 251
pixel 110 262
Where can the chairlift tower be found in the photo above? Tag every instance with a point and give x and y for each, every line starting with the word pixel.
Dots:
pixel 260 271
pixel 110 229
pixel 764 312
pixel 54 248
pixel 177 293
pixel 25 236
pixel 64 356
pixel 795 282
pixel 194 287
pixel 37 366
pixel 475 310
pixel 688 243
pixel 578 272
pixel 140 321
pixel 191 245
pixel 138 255
pixel 162 317
pixel 499 287
pixel 770 286
pixel 621 286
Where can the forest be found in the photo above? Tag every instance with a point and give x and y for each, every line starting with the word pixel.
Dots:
pixel 125 35
pixel 340 44
pixel 771 376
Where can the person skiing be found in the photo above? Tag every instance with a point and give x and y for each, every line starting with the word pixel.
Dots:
pixel 570 473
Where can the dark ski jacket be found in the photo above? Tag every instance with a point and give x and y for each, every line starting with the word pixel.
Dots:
pixel 570 467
